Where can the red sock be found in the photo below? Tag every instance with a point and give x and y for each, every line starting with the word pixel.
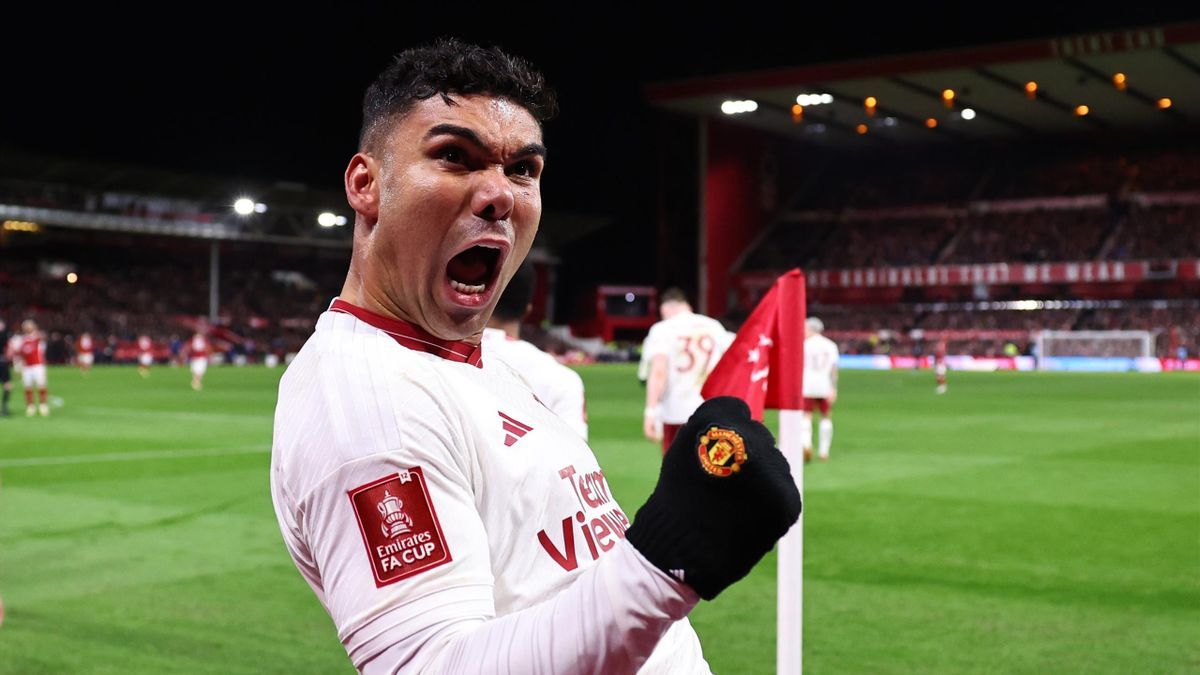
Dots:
pixel 43 390
pixel 28 397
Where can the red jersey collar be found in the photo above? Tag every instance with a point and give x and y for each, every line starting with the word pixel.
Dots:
pixel 413 337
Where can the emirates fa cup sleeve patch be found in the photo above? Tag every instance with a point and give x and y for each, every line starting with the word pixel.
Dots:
pixel 722 452
pixel 399 526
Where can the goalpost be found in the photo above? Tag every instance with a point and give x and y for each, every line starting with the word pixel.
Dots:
pixel 1099 343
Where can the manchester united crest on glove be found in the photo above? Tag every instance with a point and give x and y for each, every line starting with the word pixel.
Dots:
pixel 722 452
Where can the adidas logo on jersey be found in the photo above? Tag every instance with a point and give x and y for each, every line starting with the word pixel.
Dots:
pixel 513 430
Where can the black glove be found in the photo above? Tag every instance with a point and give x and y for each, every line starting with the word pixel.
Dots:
pixel 724 496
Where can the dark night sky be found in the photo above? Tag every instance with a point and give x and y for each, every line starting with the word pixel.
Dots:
pixel 274 94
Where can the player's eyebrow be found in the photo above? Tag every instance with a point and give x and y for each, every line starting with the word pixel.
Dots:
pixel 473 138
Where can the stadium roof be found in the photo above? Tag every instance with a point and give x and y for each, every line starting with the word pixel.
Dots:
pixel 108 176
pixel 1158 62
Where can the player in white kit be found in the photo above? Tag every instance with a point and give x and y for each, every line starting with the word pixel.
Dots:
pixel 558 387
pixel 820 386
pixel 447 520
pixel 680 351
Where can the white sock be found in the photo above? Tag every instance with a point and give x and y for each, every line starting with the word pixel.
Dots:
pixel 826 436
pixel 806 433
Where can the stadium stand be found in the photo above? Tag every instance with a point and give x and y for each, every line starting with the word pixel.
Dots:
pixel 1014 207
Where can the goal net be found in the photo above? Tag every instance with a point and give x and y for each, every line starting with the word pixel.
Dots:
pixel 1103 343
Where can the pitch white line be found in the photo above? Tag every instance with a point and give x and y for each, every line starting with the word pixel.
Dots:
pixel 131 456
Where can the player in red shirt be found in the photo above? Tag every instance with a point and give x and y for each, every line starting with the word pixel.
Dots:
pixel 939 366
pixel 85 352
pixel 145 355
pixel 197 350
pixel 31 352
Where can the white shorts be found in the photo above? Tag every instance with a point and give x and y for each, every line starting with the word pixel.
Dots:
pixel 940 369
pixel 86 359
pixel 34 376
pixel 199 366
pixel 146 359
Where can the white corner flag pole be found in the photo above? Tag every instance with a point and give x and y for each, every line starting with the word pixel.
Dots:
pixel 790 606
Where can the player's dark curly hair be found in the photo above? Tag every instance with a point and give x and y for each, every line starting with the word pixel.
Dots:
pixel 450 66
pixel 672 294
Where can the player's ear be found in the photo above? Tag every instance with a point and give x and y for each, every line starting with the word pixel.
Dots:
pixel 362 186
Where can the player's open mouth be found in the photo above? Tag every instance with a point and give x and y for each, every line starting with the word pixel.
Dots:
pixel 472 272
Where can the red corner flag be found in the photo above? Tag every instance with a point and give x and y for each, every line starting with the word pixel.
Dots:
pixel 764 365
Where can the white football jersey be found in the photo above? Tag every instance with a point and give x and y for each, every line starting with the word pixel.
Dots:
pixel 692 343
pixel 418 491
pixel 555 385
pixel 820 358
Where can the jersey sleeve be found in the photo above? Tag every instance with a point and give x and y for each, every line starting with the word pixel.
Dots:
pixel 643 373
pixel 392 540
pixel 607 621
pixel 723 339
pixel 658 343
pixel 570 404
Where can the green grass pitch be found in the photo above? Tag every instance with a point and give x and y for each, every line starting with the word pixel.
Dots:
pixel 1022 523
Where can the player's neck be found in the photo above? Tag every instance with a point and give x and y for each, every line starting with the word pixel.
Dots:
pixel 676 311
pixel 356 294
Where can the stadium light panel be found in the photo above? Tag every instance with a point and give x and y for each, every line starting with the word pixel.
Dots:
pixel 341 220
pixel 259 207
pixel 244 206
pixel 930 123
pixel 21 226
pixel 1082 110
pixel 968 114
pixel 1119 81
pixel 737 107
pixel 72 277
pixel 1163 103
pixel 814 99
pixel 326 219
pixel 630 297
pixel 861 129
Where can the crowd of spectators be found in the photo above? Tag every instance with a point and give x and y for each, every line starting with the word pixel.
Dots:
pixel 259 314
pixel 1159 233
pixel 906 329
